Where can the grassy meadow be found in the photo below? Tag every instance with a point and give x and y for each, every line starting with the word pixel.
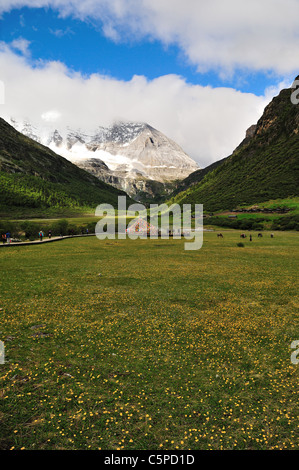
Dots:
pixel 123 344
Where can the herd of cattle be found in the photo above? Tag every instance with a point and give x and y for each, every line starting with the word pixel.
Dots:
pixel 243 235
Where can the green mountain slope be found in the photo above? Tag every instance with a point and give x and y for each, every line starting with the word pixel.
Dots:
pixel 265 165
pixel 195 177
pixel 33 179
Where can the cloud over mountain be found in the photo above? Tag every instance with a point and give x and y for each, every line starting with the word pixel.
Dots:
pixel 207 122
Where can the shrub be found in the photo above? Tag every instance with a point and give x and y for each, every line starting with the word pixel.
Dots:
pixel 60 227
pixel 30 229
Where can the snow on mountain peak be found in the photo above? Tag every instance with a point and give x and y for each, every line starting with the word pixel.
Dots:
pixel 128 149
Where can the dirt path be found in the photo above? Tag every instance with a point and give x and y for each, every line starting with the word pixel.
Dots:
pixel 46 240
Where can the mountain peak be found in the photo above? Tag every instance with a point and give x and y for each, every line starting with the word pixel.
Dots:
pixel 120 132
pixel 129 151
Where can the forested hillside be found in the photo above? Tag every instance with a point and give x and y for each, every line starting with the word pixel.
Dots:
pixel 33 179
pixel 265 166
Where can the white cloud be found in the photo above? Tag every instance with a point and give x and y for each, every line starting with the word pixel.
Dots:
pixel 2 93
pixel 51 116
pixel 208 123
pixel 59 33
pixel 221 35
pixel 274 90
pixel 21 45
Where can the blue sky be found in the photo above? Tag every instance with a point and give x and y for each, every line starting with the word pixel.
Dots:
pixel 83 47
pixel 201 72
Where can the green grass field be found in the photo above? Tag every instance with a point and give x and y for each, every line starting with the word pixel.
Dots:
pixel 123 344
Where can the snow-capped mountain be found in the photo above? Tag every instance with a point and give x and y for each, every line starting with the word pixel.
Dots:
pixel 127 155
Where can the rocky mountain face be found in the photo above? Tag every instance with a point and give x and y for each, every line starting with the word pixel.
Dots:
pixel 264 166
pixel 134 157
